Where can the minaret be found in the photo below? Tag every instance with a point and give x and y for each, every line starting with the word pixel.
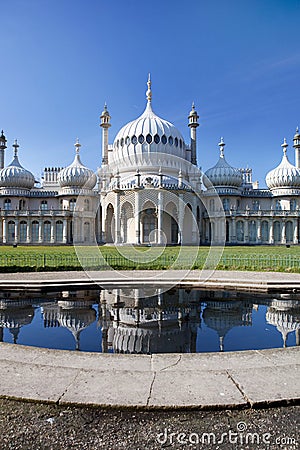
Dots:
pixel 193 124
pixel 105 124
pixel 2 149
pixel 297 148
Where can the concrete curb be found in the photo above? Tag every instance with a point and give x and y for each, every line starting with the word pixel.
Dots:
pixel 257 378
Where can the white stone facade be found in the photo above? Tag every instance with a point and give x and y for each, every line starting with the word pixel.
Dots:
pixel 149 190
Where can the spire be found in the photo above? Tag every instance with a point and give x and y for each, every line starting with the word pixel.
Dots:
pixel 149 92
pixel 221 145
pixel 77 145
pixel 284 146
pixel 16 146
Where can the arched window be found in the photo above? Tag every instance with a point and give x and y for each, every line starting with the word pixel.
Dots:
pixel 44 205
pixel 277 231
pixel 47 231
pixel 23 231
pixel 252 231
pixel 149 225
pixel 240 231
pixel 59 231
pixel 22 204
pixel 278 205
pixel 11 231
pixel 7 204
pixel 35 231
pixel 264 231
pixel 293 205
pixel 72 204
pixel 86 232
pixel 289 231
pixel 225 202
pixel 255 205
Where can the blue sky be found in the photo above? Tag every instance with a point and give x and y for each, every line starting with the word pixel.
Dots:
pixel 239 60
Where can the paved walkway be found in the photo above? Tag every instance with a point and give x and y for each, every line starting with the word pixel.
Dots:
pixel 211 380
pixel 237 280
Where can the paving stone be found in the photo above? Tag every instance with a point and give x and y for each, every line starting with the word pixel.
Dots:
pixel 114 388
pixel 202 389
pixel 34 382
pixel 265 385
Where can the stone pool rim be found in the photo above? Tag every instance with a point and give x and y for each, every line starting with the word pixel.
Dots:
pixel 240 379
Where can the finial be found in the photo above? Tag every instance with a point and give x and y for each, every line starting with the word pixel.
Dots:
pixel 149 92
pixel 16 146
pixel 193 106
pixel 284 146
pixel 221 145
pixel 77 145
pixel 297 130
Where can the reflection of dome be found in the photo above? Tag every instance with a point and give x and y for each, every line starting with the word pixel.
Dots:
pixel 13 318
pixel 285 175
pixel 15 176
pixel 223 316
pixel 148 134
pixel 284 321
pixel 222 174
pixel 76 175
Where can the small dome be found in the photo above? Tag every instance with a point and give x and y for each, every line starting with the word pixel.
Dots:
pixel 14 175
pixel 76 175
pixel 285 175
pixel 222 174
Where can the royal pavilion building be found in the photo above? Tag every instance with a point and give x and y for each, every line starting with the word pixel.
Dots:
pixel 149 190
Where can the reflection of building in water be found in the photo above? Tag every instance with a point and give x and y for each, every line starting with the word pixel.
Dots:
pixel 285 316
pixel 222 316
pixel 14 315
pixel 131 322
pixel 71 313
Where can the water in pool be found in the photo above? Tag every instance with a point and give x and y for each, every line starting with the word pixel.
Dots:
pixel 149 320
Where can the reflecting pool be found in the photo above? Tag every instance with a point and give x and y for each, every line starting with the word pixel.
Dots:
pixel 149 320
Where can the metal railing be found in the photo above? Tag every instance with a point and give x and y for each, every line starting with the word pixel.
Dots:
pixel 44 261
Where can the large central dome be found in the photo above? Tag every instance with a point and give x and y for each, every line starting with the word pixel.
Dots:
pixel 148 134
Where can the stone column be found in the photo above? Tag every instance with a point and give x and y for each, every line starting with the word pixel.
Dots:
pixel 40 231
pixel 160 218
pixel 258 237
pixel 117 219
pixel 28 232
pixel 4 233
pixel 295 240
pixel 233 231
pixel 195 230
pixel 283 236
pixel 103 233
pixel 271 239
pixel 65 231
pixel 16 230
pixel 137 218
pixel 246 231
pixel 52 235
pixel 180 218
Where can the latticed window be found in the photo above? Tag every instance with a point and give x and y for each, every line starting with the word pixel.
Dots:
pixel 44 205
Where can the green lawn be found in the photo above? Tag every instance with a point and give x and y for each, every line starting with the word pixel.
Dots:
pixel 23 258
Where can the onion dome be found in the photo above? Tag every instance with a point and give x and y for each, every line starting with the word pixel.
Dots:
pixel 222 174
pixel 14 175
pixel 296 136
pixel 148 134
pixel 285 175
pixel 76 175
